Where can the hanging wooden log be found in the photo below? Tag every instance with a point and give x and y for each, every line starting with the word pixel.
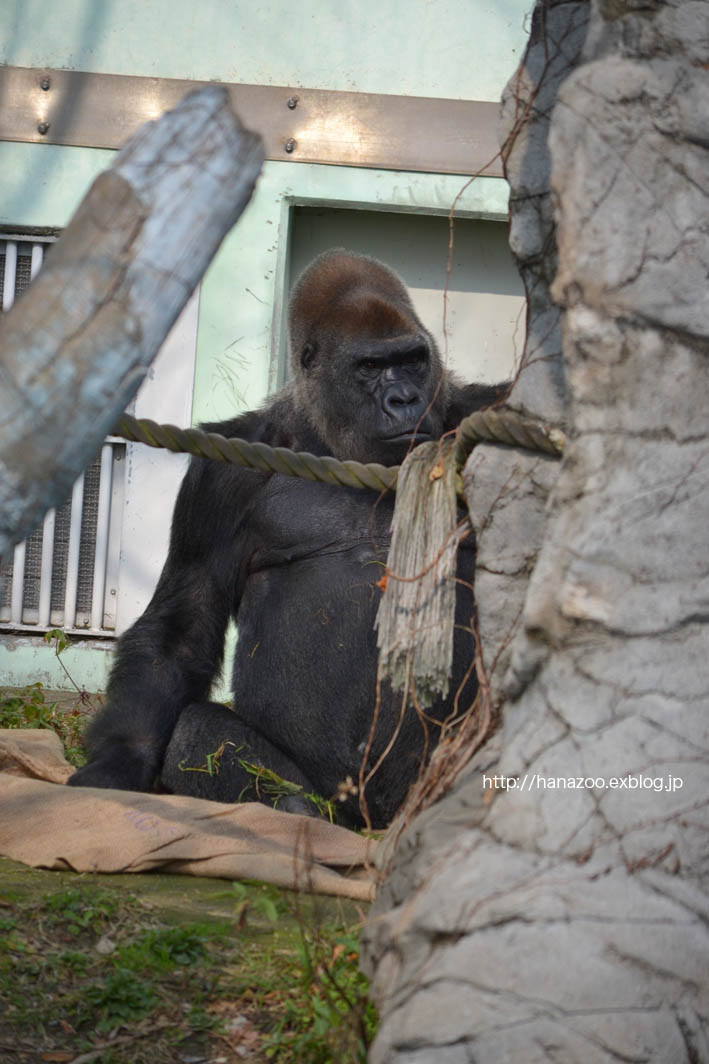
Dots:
pixel 416 616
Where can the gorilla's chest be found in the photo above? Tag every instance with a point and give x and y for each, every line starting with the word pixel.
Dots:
pixel 299 521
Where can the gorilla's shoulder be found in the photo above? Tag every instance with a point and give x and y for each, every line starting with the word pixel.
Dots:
pixel 280 422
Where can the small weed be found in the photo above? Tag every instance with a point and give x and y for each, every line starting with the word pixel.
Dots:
pixel 119 999
pixel 274 787
pixel 79 909
pixel 261 899
pixel 28 708
pixel 61 641
pixel 162 949
pixel 211 764
pixel 315 1004
pixel 74 961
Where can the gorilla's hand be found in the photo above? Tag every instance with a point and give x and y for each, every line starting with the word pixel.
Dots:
pixel 120 769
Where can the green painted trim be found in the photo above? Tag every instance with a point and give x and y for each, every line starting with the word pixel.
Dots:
pixel 26 659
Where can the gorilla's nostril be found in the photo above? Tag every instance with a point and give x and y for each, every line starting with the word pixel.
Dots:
pixel 401 397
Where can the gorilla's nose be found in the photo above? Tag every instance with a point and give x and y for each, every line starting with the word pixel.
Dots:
pixel 401 401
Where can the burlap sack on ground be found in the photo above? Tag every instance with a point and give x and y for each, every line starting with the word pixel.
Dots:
pixel 84 829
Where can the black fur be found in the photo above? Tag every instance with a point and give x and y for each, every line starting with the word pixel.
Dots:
pixel 297 564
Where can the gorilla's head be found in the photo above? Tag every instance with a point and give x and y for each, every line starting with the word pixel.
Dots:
pixel 367 372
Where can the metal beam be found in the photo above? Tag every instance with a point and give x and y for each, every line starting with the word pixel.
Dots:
pixel 298 125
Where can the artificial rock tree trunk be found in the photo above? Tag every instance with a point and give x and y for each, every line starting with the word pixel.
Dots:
pixel 566 917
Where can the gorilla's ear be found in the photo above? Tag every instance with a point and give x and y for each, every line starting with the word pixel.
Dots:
pixel 307 356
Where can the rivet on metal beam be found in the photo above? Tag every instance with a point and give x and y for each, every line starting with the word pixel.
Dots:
pixel 293 102
pixel 290 145
pixel 43 128
pixel 45 83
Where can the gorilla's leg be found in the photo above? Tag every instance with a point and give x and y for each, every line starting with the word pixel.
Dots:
pixel 213 754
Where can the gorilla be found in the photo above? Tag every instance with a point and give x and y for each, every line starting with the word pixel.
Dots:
pixel 296 564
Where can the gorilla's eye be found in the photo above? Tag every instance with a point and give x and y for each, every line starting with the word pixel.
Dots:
pixel 369 364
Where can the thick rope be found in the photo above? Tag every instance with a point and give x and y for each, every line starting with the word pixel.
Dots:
pixel 495 426
pixel 257 455
pixel 505 426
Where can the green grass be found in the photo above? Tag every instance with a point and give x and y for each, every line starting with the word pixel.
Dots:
pixel 79 972
pixel 90 970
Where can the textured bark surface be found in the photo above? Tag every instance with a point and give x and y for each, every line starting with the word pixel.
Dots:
pixel 528 922
pixel 74 350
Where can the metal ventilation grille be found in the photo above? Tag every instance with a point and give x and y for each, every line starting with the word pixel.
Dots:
pixel 66 573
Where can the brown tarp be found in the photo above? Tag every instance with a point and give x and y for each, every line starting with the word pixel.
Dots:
pixel 47 825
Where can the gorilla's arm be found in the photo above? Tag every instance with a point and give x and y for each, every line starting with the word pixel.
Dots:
pixel 171 654
pixel 464 399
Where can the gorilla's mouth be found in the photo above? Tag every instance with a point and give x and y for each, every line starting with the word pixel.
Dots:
pixel 412 436
pixel 407 437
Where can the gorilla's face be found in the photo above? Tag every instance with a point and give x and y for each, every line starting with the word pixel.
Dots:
pixel 394 375
pixel 367 371
pixel 374 397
